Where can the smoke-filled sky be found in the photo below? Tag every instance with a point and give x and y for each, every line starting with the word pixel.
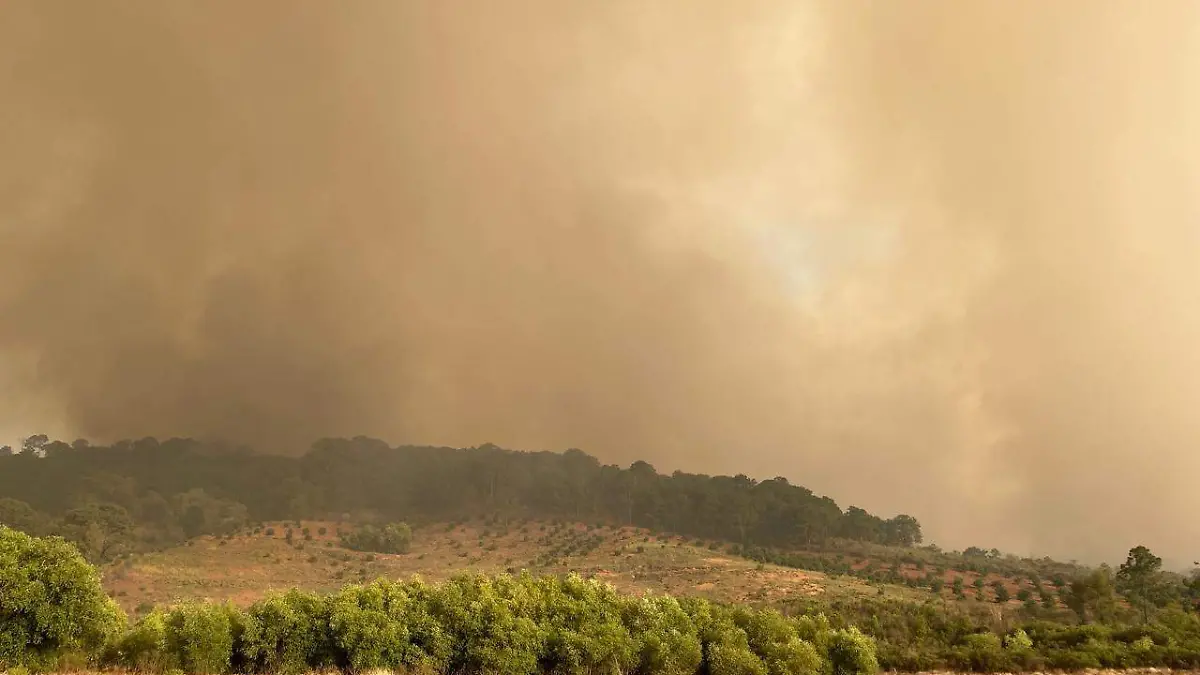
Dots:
pixel 936 256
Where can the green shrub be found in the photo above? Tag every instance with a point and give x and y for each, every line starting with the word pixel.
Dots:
pixel 478 624
pixel 730 659
pixel 365 634
pixel 725 647
pixel 851 653
pixel 386 625
pixel 200 637
pixel 775 641
pixel 582 625
pixel 287 634
pixel 392 538
pixel 144 647
pixel 51 603
pixel 667 639
pixel 1018 640
pixel 1071 659
pixel 488 631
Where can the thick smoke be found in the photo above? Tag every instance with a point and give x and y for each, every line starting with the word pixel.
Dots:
pixel 929 256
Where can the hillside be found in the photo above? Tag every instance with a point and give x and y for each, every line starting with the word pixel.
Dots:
pixel 146 493
pixel 243 567
pixel 181 520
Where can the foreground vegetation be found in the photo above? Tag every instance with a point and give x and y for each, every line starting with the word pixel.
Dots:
pixel 54 615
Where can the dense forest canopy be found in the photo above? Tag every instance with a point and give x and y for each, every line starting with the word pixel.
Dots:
pixel 181 488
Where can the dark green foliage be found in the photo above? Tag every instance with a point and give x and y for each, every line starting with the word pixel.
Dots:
pixel 51 602
pixel 1191 590
pixel 1092 596
pixel 391 538
pixel 101 531
pixel 218 489
pixel 1141 580
pixel 18 515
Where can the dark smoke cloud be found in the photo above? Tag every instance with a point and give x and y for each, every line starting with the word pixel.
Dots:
pixel 928 256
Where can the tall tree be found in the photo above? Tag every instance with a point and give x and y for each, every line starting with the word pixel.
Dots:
pixel 1092 596
pixel 1140 579
pixel 32 446
pixel 903 530
pixel 101 531
pixel 20 516
pixel 1191 588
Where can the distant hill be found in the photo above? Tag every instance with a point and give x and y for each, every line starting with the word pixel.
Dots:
pixel 147 494
pixel 244 566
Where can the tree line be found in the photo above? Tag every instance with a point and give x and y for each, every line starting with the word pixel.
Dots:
pixel 141 493
pixel 53 615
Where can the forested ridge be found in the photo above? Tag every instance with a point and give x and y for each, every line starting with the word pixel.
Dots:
pixel 146 492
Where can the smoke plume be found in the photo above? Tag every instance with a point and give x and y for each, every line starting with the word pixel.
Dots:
pixel 933 256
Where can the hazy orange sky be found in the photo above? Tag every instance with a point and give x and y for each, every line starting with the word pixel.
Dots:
pixel 935 257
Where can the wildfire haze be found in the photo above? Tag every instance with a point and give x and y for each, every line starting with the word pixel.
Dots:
pixel 937 257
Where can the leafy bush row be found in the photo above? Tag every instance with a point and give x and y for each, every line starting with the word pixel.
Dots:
pixel 54 615
pixel 933 636
pixel 480 624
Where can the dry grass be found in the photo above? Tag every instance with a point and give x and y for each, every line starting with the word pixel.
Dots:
pixel 244 567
